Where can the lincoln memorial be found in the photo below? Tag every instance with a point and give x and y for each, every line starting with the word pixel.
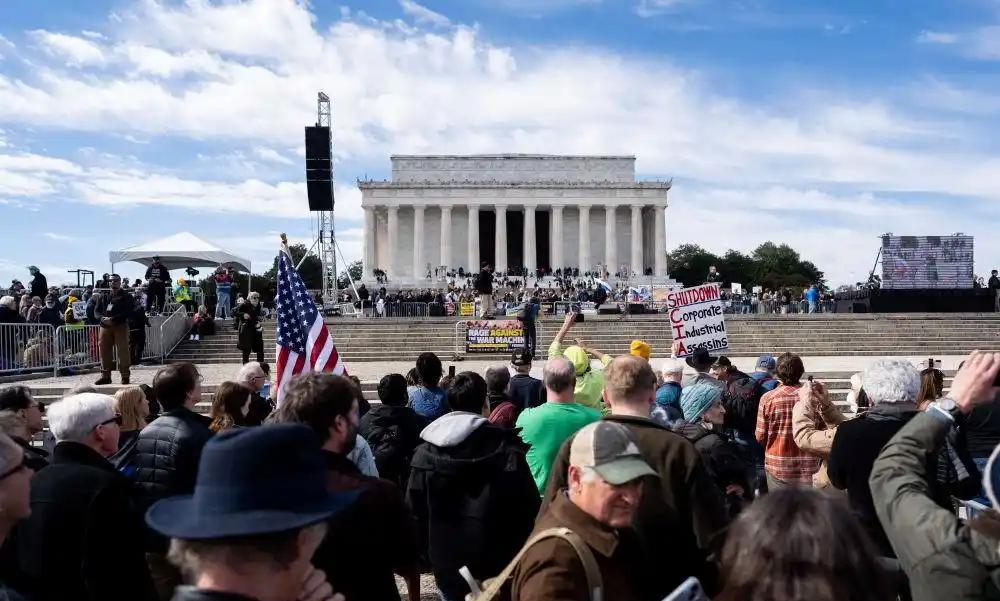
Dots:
pixel 513 211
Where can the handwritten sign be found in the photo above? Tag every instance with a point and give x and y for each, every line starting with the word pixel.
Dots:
pixel 494 336
pixel 467 309
pixel 79 310
pixel 697 319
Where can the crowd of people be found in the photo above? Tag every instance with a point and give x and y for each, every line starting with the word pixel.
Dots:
pixel 605 479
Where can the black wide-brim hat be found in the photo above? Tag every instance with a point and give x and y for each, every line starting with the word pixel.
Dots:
pixel 253 481
pixel 699 359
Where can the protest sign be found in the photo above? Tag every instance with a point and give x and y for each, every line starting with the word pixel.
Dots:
pixel 79 310
pixel 467 309
pixel 697 320
pixel 737 288
pixel 494 336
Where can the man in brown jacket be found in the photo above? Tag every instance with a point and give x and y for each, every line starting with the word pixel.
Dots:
pixel 681 514
pixel 606 480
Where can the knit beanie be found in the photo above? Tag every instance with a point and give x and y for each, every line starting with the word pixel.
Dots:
pixel 697 398
pixel 640 348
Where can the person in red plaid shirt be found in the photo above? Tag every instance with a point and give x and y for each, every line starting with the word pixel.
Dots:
pixel 784 463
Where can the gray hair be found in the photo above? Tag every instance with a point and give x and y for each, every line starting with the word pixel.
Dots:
pixel 8 301
pixel 891 381
pixel 559 374
pixel 79 389
pixel 253 296
pixel 75 417
pixel 248 371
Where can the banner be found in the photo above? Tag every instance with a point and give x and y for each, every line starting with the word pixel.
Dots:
pixel 494 336
pixel 697 320
pixel 467 309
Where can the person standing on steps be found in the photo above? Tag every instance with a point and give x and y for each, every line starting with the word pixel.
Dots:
pixel 251 336
pixel 157 278
pixel 484 287
pixel 114 332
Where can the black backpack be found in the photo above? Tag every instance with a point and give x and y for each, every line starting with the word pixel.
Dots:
pixel 741 398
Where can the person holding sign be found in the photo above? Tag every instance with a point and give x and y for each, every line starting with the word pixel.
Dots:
pixel 114 332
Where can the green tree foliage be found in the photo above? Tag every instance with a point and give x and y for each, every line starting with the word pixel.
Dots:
pixel 355 270
pixel 311 270
pixel 769 265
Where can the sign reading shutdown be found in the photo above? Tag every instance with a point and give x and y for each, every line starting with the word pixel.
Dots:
pixel 494 336
pixel 696 319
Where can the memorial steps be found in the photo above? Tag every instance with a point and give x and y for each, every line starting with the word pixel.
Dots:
pixel 817 335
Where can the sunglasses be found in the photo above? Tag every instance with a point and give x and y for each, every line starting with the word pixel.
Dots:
pixel 116 419
pixel 17 468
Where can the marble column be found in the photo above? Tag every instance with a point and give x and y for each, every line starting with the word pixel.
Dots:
pixel 369 250
pixel 419 269
pixel 530 257
pixel 473 264
pixel 660 241
pixel 500 240
pixel 390 269
pixel 556 240
pixel 446 236
pixel 610 240
pixel 636 240
pixel 584 256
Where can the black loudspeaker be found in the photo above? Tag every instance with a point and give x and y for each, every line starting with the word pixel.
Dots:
pixel 318 171
pixel 636 308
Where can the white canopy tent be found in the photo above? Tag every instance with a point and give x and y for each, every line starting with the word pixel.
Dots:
pixel 180 251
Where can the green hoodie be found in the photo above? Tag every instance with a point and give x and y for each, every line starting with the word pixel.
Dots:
pixel 589 383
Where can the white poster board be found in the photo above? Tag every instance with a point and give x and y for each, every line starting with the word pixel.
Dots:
pixel 737 288
pixel 697 319
pixel 79 310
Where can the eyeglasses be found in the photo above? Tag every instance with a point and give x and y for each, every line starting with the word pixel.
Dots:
pixel 116 419
pixel 17 468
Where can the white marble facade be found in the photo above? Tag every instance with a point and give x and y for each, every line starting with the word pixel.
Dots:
pixel 429 215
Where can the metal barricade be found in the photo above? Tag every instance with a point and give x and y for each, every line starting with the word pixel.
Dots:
pixel 173 330
pixel 406 309
pixel 78 346
pixel 27 347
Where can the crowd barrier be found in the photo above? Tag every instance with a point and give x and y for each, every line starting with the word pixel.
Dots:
pixel 35 348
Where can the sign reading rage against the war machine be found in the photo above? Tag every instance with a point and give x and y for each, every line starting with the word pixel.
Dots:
pixel 697 320
pixel 494 336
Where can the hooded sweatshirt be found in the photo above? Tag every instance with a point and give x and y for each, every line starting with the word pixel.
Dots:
pixel 473 498
pixel 589 382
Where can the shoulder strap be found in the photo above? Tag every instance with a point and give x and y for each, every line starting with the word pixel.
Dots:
pixel 595 583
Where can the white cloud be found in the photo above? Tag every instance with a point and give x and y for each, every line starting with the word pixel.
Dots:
pixel 937 37
pixel 423 15
pixel 76 51
pixel 269 154
pixel 652 8
pixel 60 237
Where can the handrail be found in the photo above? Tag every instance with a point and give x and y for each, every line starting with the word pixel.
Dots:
pixel 179 314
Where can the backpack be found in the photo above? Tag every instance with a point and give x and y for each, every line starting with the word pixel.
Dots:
pixel 741 399
pixel 493 589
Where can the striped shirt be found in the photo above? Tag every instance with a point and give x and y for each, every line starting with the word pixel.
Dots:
pixel 782 457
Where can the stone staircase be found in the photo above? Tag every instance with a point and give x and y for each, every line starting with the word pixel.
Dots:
pixel 750 335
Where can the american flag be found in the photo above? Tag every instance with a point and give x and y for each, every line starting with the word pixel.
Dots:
pixel 303 343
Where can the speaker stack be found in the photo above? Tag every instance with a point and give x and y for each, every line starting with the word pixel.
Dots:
pixel 319 178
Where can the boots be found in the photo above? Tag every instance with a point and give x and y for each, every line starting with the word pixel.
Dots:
pixel 105 379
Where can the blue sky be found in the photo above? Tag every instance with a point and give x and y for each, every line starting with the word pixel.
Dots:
pixel 819 124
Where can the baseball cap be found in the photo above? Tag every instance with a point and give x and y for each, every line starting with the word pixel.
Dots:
pixel 521 358
pixel 610 450
pixel 766 361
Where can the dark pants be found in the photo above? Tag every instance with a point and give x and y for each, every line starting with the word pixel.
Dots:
pixel 530 337
pixel 136 345
pixel 155 297
pixel 258 347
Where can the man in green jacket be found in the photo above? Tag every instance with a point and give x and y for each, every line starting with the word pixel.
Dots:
pixel 943 558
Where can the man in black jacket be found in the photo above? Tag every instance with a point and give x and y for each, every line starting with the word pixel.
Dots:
pixel 253 377
pixel 523 390
pixel 392 430
pixel 166 456
pixel 484 287
pixel 374 537
pixel 28 413
pixel 470 490
pixel 157 278
pixel 39 285
pixel 114 331
pixel 83 540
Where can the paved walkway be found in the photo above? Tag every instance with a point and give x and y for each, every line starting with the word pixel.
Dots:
pixel 214 373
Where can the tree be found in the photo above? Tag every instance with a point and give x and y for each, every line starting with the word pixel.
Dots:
pixel 689 264
pixel 737 267
pixel 311 270
pixel 770 265
pixel 355 270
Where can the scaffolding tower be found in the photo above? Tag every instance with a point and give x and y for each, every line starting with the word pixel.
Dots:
pixel 327 239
